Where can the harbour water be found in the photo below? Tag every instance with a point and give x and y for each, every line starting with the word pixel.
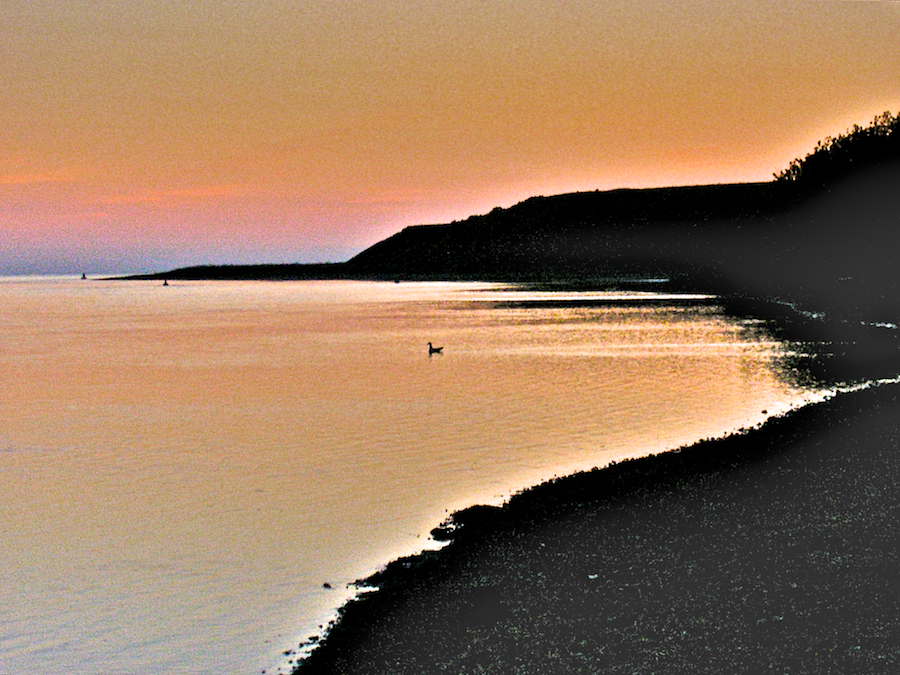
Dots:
pixel 185 468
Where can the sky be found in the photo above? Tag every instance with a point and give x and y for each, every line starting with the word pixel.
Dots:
pixel 140 135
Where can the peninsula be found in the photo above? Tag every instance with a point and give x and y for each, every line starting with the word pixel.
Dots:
pixel 818 234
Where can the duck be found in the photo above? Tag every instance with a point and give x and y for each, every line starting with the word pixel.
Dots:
pixel 434 350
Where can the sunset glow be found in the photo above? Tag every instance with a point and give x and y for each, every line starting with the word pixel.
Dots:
pixel 138 136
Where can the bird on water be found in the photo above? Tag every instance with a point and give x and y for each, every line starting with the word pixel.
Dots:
pixel 434 350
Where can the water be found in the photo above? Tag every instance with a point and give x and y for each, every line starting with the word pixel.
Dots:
pixel 183 468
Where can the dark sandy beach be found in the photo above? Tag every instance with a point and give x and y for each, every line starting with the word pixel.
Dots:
pixel 774 550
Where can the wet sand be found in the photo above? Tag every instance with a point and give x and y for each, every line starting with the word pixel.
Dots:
pixel 775 548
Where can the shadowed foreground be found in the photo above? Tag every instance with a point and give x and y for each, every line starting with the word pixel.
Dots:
pixel 777 548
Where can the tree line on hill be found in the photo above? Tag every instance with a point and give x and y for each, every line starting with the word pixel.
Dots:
pixel 836 157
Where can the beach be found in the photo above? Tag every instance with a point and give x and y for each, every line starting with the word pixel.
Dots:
pixel 775 548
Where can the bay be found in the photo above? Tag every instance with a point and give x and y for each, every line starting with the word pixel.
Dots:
pixel 184 468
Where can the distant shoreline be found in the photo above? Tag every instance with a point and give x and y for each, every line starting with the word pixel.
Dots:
pixel 823 247
pixel 461 251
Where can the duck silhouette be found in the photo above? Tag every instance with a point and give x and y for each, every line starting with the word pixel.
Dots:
pixel 434 350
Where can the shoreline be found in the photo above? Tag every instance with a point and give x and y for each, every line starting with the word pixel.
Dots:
pixel 477 597
pixel 752 550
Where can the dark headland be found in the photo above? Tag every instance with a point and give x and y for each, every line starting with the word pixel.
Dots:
pixel 773 550
pixel 821 232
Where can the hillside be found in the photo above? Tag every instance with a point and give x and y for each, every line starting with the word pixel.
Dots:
pixel 831 247
pixel 591 234
pixel 578 235
pixel 820 234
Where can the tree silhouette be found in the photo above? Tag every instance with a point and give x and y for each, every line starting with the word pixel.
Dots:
pixel 855 149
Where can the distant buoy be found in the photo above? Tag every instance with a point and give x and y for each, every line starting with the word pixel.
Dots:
pixel 83 275
pixel 165 282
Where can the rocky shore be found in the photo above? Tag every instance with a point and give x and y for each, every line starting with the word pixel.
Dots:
pixel 775 549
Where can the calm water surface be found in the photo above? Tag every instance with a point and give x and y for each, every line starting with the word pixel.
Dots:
pixel 183 468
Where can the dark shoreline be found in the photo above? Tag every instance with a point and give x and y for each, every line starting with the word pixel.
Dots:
pixel 775 547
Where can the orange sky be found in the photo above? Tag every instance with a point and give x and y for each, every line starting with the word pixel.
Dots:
pixel 139 135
